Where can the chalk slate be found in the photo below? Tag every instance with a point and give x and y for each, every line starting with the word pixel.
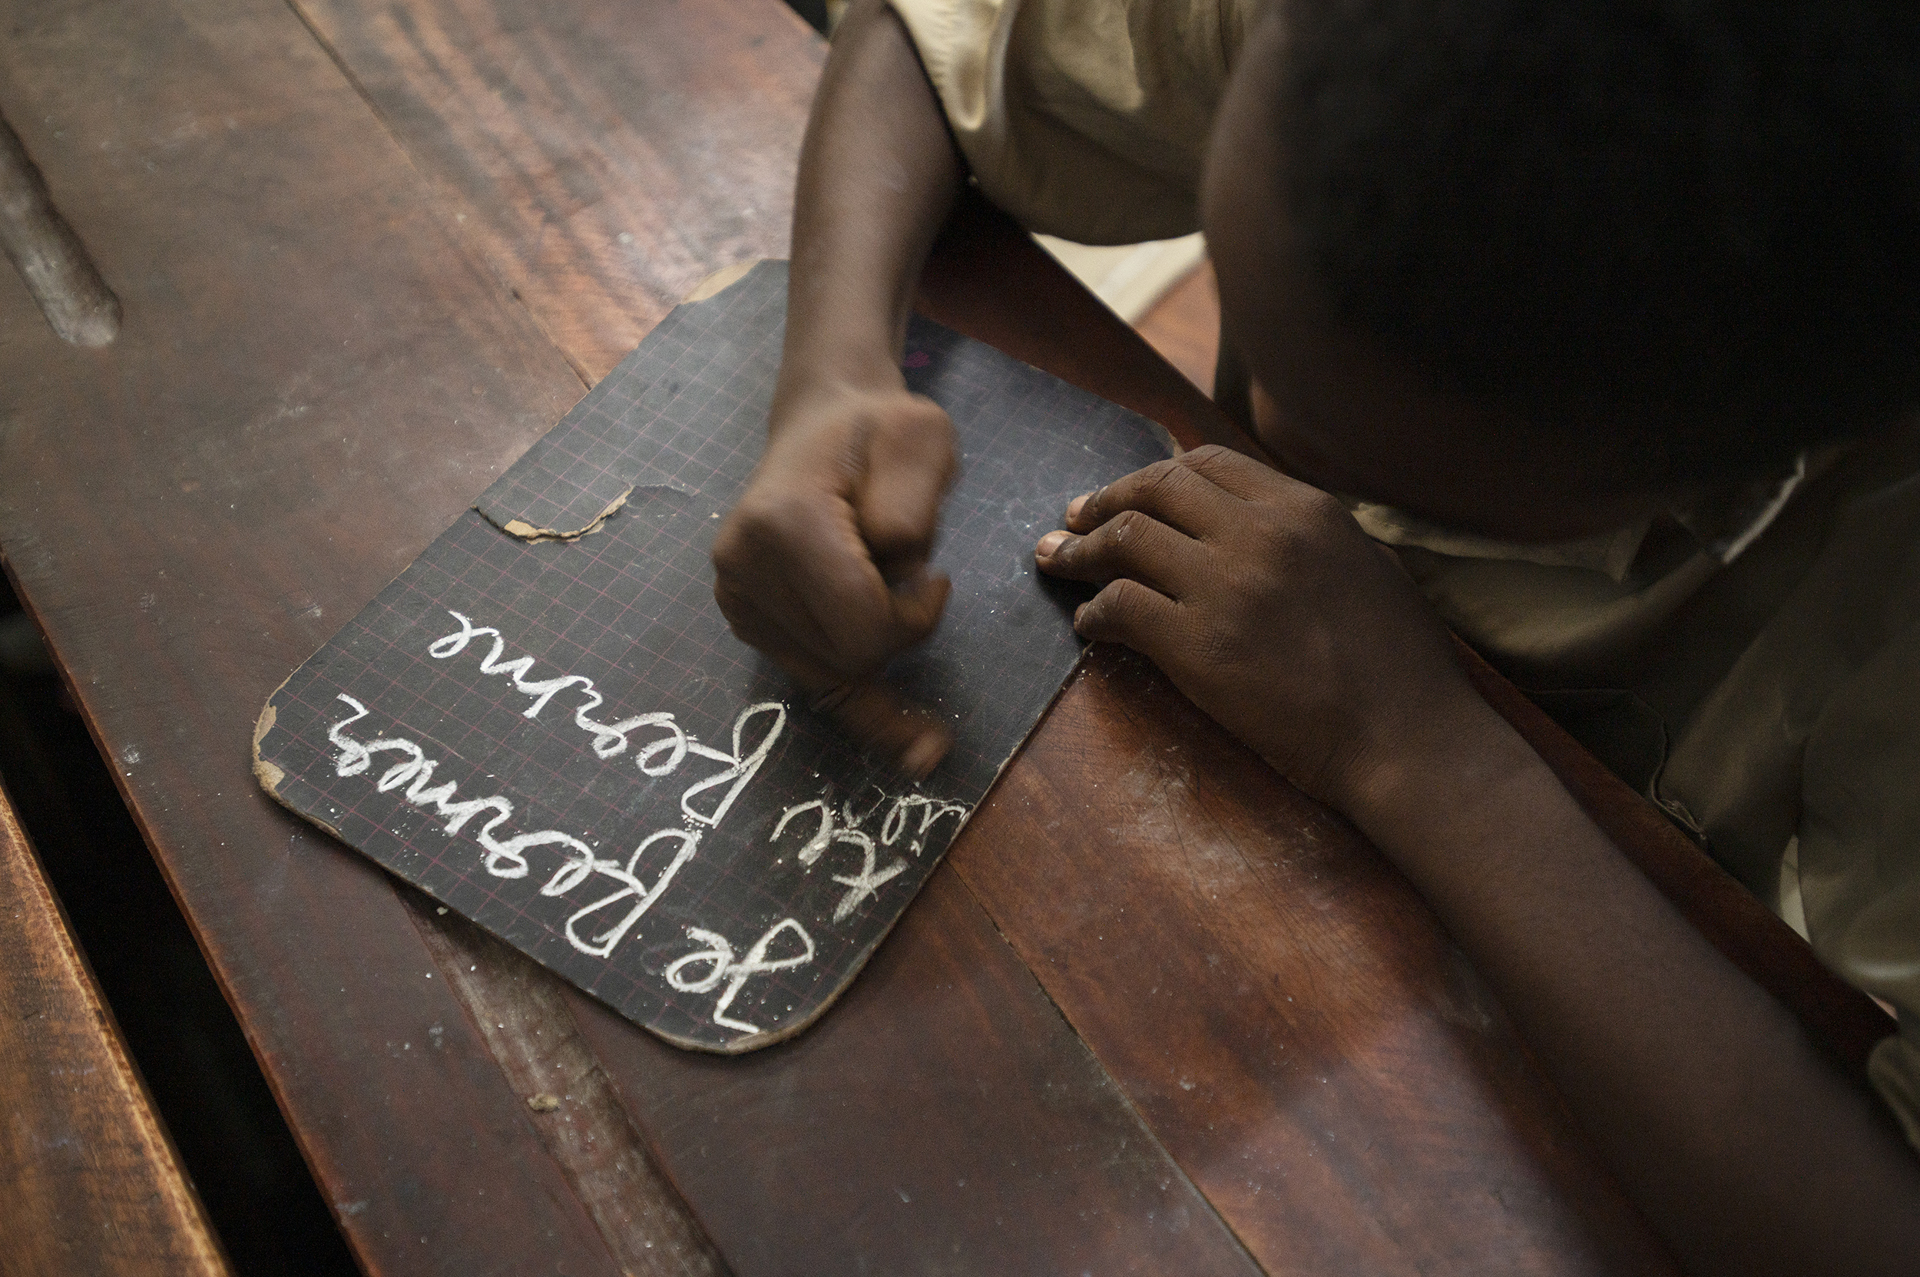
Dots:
pixel 560 739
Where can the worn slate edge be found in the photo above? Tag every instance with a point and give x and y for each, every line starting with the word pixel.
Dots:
pixel 583 471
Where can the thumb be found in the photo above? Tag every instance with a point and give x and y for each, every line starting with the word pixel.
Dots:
pixel 916 603
pixel 885 723
pixel 878 719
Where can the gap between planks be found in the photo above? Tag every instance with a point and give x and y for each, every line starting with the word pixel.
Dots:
pixel 571 1102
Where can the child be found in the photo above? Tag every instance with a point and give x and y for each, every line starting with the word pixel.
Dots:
pixel 1606 315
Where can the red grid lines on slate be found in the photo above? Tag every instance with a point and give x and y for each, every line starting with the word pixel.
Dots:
pixel 630 607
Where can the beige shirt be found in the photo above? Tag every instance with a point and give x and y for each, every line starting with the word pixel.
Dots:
pixel 1082 118
pixel 1751 662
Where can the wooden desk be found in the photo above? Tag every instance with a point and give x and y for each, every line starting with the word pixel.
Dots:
pixel 1157 1013
pixel 91 1182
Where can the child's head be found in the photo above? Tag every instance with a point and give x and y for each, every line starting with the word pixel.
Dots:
pixel 1530 266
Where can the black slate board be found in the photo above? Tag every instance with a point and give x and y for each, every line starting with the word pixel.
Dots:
pixel 561 740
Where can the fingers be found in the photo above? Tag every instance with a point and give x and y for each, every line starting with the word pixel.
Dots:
pixel 838 594
pixel 823 563
pixel 1171 491
pixel 1130 544
pixel 917 604
pixel 1195 492
pixel 878 719
pixel 793 578
pixel 910 466
pixel 1129 613
pixel 883 723
pixel 1245 477
pixel 800 588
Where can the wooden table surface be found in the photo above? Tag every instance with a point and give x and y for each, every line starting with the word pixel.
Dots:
pixel 1157 1013
pixel 92 1182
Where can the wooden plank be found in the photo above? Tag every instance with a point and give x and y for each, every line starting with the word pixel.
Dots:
pixel 451 93
pixel 1522 1124
pixel 1184 326
pixel 879 1140
pixel 308 383
pixel 93 1183
pixel 1279 1004
pixel 330 239
pixel 600 158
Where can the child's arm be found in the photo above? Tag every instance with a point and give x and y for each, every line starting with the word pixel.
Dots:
pixel 823 563
pixel 1264 602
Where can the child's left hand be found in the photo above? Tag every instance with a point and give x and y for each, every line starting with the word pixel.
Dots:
pixel 1267 605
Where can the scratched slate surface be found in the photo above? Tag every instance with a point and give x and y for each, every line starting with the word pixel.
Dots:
pixel 562 741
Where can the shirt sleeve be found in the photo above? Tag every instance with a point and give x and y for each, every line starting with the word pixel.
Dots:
pixel 1860 852
pixel 1086 119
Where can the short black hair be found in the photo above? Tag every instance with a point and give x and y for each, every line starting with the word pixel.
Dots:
pixel 1694 221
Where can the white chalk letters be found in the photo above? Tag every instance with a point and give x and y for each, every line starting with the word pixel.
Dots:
pixel 630 888
pixel 507 857
pixel 723 966
pixel 843 828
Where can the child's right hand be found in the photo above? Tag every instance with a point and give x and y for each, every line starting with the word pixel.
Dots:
pixel 823 563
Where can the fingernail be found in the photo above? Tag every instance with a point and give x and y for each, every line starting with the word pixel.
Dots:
pixel 1049 543
pixel 1074 506
pixel 922 755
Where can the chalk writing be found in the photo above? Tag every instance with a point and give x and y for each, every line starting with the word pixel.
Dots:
pixel 741 764
pixel 610 739
pixel 632 888
pixel 507 857
pixel 843 829
pixel 867 824
pixel 722 966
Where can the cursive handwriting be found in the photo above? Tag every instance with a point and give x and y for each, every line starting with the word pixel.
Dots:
pixel 874 836
pixel 507 857
pixel 843 828
pixel 723 966
pixel 610 739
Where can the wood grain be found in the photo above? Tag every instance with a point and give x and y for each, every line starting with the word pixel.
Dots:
pixel 705 53
pixel 92 1182
pixel 52 261
pixel 599 158
pixel 522 1013
pixel 1184 326
pixel 879 1140
pixel 365 261
pixel 288 415
pixel 1282 1008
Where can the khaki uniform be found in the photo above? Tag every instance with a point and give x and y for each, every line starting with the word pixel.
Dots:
pixel 1751 661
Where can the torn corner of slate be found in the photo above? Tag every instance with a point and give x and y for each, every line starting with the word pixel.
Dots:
pixel 265 772
pixel 270 775
pixel 517 527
